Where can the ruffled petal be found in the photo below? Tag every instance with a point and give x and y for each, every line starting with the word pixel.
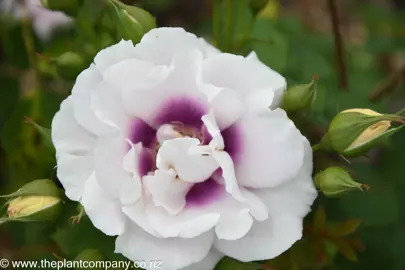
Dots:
pixel 104 212
pixel 208 262
pixel 160 45
pixel 114 54
pixel 175 253
pixel 223 212
pixel 74 152
pixel 167 191
pixel 288 204
pixel 192 168
pixel 176 83
pixel 251 79
pixel 109 159
pixel 272 149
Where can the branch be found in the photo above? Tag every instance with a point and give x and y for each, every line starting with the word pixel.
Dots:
pixel 338 44
pixel 389 86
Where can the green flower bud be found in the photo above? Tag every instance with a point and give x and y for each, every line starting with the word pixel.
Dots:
pixel 133 22
pixel 300 97
pixel 38 200
pixel 70 7
pixel 69 64
pixel 335 181
pixel 354 132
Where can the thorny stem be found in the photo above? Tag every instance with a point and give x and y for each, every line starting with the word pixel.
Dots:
pixel 338 44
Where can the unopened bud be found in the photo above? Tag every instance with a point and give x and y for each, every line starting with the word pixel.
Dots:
pixel 69 64
pixel 38 200
pixel 335 181
pixel 300 97
pixel 133 22
pixel 354 132
pixel 34 208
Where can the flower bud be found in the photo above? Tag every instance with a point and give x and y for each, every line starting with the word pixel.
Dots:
pixel 70 64
pixel 34 208
pixel 300 97
pixel 354 132
pixel 70 7
pixel 335 181
pixel 38 200
pixel 133 22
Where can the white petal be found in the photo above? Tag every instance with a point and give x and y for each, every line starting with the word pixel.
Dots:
pixel 234 225
pixel 107 105
pixel 105 213
pixel 87 82
pixel 196 219
pixel 175 253
pixel 161 44
pixel 136 212
pixel 265 240
pixel 246 76
pixel 189 167
pixel 135 74
pixel 67 135
pixel 208 262
pixel 167 191
pixel 131 187
pixel 109 164
pixel 213 129
pixel 223 158
pixel 252 56
pixel 226 104
pixel 114 54
pixel 73 172
pixel 288 204
pixel 272 149
pixel 74 152
pixel 187 224
pixel 179 81
pixel 228 173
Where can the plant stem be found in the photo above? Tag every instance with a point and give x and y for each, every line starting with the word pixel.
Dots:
pixel 338 44
pixel 29 43
pixel 388 86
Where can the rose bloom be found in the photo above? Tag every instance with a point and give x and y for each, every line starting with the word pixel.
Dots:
pixel 181 151
pixel 44 21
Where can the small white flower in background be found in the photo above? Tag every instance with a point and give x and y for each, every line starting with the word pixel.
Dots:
pixel 181 151
pixel 44 21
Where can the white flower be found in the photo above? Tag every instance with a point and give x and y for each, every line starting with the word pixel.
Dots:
pixel 44 21
pixel 172 146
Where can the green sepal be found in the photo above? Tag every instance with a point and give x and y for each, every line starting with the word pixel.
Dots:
pixel 44 132
pixel 40 187
pixel 364 148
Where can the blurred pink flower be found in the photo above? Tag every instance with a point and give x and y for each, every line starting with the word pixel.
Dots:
pixel 44 21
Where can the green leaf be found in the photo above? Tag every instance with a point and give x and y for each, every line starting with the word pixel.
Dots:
pixel 271 46
pixel 70 238
pixel 345 228
pixel 45 133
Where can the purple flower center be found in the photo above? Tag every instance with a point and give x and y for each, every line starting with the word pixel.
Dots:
pixel 184 116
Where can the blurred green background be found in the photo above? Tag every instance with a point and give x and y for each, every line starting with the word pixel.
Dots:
pixel 362 231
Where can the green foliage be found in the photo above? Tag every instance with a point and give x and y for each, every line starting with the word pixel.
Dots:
pixel 361 230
